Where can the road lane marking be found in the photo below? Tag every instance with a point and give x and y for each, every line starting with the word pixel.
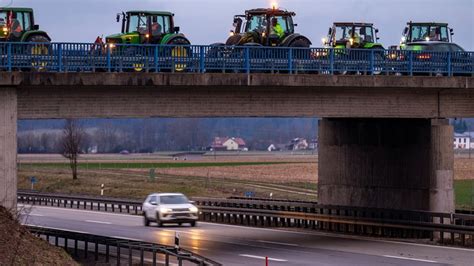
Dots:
pixel 128 238
pixel 56 228
pixel 348 237
pixel 405 258
pixel 262 258
pixel 33 214
pixel 79 210
pixel 96 222
pixel 278 243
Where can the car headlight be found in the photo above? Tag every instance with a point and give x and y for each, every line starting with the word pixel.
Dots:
pixel 166 210
pixel 193 209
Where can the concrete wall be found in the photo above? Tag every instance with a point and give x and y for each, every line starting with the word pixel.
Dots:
pixel 386 163
pixel 82 95
pixel 8 146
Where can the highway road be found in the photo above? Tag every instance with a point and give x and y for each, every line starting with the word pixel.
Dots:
pixel 237 245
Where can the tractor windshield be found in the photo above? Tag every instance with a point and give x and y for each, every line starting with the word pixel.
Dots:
pixel 359 33
pixel 3 18
pixel 428 33
pixel 259 23
pixel 154 24
pixel 256 23
pixel 137 23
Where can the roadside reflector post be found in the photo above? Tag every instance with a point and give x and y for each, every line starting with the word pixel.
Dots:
pixel 176 240
pixel 266 260
pixel 102 190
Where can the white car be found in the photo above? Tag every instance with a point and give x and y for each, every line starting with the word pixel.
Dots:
pixel 169 208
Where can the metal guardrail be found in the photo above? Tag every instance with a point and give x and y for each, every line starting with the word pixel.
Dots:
pixel 108 247
pixel 91 57
pixel 450 228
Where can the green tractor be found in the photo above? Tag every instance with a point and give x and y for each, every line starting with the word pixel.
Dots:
pixel 266 27
pixel 426 32
pixel 344 35
pixel 18 25
pixel 150 27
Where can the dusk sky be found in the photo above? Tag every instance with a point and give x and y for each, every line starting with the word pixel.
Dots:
pixel 209 21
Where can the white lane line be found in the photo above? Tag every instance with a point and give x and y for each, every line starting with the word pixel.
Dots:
pixel 405 258
pixel 359 238
pixel 34 214
pixel 262 258
pixel 278 243
pixel 128 238
pixel 79 210
pixel 96 222
pixel 348 237
pixel 56 228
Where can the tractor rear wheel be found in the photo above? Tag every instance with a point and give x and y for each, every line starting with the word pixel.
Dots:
pixel 38 51
pixel 179 52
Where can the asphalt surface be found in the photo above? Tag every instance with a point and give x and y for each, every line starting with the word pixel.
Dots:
pixel 237 245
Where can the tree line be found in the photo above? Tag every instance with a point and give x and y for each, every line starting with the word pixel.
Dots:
pixel 163 134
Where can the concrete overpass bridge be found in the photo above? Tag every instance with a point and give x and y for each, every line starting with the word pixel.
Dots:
pixel 385 141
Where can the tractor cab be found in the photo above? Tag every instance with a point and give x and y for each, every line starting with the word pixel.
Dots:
pixel 266 27
pixel 140 27
pixel 352 35
pixel 426 32
pixel 17 25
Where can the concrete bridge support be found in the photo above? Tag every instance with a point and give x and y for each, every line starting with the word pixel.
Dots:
pixel 8 147
pixel 387 163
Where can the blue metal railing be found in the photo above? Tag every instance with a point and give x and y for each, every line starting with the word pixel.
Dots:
pixel 90 57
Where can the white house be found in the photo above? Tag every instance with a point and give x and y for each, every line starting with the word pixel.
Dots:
pixel 464 141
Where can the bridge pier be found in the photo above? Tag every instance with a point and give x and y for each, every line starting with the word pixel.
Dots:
pixel 387 163
pixel 8 147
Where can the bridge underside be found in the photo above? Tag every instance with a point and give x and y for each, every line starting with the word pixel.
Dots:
pixel 387 163
pixel 379 146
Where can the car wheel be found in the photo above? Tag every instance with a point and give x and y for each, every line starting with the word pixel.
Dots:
pixel 158 222
pixel 193 223
pixel 146 222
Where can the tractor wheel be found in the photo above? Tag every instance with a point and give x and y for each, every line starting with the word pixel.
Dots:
pixel 299 43
pixel 38 51
pixel 378 57
pixel 233 40
pixel 179 52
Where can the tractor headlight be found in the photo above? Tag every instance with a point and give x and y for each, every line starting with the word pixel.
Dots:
pixel 5 29
pixel 351 41
pixel 193 209
pixel 111 45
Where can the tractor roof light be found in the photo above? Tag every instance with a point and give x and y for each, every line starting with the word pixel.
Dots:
pixel 274 5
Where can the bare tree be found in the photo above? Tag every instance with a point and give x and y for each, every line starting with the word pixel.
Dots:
pixel 73 135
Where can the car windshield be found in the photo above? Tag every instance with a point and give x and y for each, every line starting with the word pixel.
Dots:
pixel 173 199
pixel 428 33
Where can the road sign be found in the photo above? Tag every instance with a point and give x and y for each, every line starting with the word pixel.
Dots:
pixel 33 182
pixel 176 240
pixel 152 174
pixel 249 194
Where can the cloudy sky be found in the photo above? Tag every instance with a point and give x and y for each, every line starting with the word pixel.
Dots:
pixel 209 21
